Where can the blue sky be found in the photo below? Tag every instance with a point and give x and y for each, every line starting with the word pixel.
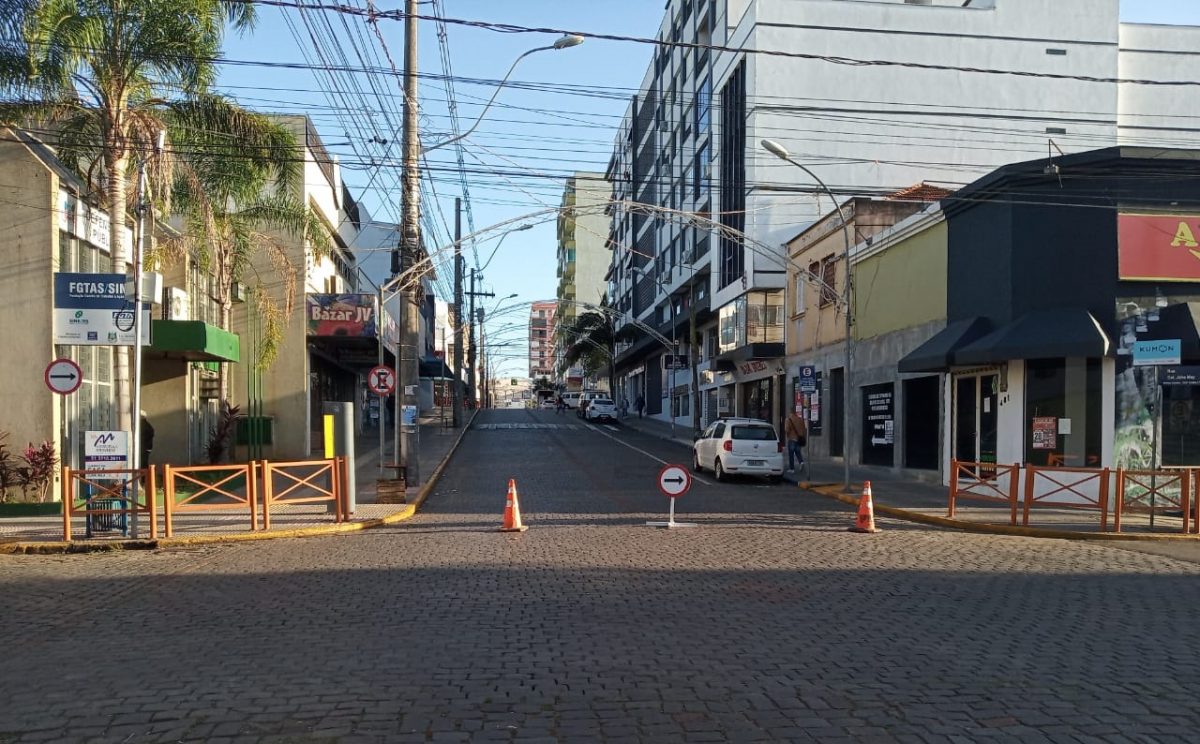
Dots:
pixel 536 136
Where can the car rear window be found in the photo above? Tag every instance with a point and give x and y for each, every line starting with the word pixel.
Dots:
pixel 602 401
pixel 757 433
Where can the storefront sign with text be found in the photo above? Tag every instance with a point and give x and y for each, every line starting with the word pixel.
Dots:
pixel 1156 247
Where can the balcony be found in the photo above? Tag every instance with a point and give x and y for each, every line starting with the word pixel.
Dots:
pixel 750 327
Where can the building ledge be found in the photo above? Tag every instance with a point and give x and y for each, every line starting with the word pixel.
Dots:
pixel 193 341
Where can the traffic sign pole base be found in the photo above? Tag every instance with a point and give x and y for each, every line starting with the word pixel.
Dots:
pixel 671 525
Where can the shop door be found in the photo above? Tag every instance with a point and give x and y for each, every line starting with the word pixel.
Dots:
pixel 976 418
pixel 836 418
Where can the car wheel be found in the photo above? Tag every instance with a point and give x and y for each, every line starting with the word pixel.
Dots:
pixel 718 471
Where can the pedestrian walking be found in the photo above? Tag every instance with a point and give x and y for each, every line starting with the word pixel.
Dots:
pixel 796 433
pixel 560 405
pixel 640 404
pixel 623 408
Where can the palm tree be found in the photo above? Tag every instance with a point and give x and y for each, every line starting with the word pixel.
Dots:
pixel 105 77
pixel 591 340
pixel 234 208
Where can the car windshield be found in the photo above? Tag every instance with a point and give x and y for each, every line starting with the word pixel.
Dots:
pixel 757 433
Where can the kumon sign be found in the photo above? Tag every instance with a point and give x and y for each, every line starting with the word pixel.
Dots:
pixel 341 315
pixel 1159 247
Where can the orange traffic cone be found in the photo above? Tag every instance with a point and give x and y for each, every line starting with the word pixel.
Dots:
pixel 512 511
pixel 866 512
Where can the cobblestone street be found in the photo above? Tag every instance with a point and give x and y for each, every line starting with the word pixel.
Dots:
pixel 768 622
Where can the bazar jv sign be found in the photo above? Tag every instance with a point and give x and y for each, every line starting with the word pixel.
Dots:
pixel 1159 247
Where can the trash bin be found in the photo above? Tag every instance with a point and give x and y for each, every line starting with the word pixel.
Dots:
pixel 107 523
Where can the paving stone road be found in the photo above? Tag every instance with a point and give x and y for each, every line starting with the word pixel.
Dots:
pixel 768 622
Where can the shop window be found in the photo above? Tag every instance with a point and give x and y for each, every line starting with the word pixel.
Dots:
pixel 1063 412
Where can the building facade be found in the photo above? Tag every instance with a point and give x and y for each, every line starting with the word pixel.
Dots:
pixel 541 339
pixel 583 261
pixel 700 209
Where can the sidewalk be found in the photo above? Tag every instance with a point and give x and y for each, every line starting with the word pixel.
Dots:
pixel 436 442
pixel 908 498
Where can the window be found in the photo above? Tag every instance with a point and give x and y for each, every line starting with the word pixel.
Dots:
pixel 801 282
pixel 753 433
pixel 700 172
pixel 704 105
pixel 828 281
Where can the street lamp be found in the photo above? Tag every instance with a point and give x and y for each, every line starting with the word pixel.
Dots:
pixel 565 42
pixel 497 248
pixel 781 152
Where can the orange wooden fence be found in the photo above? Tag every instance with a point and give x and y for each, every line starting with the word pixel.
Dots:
pixel 106 487
pixel 985 482
pixel 305 482
pixel 217 487
pixel 1151 491
pixel 1070 488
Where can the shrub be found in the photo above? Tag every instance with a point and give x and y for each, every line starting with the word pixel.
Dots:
pixel 40 464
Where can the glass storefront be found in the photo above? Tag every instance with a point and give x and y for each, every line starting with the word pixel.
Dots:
pixel 757 400
pixel 1063 412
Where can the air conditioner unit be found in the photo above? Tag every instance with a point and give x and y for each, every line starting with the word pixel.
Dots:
pixel 238 292
pixel 176 307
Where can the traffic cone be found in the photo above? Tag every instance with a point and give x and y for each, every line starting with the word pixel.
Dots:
pixel 512 510
pixel 866 512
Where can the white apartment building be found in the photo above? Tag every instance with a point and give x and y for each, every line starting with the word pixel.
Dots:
pixel 951 90
pixel 583 260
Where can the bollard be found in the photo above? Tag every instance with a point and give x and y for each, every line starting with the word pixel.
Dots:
pixel 339 428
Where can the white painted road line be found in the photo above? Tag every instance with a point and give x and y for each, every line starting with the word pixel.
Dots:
pixel 695 477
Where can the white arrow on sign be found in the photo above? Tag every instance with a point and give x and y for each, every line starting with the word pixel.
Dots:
pixel 63 376
pixel 674 481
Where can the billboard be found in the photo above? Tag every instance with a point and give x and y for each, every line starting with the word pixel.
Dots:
pixel 91 310
pixel 345 315
pixel 1158 247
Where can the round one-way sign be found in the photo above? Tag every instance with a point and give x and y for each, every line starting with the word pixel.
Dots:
pixel 674 481
pixel 63 376
pixel 382 380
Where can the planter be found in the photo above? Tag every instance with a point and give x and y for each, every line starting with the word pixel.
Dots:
pixel 27 509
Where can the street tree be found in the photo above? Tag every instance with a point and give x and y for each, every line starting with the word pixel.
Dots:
pixel 101 78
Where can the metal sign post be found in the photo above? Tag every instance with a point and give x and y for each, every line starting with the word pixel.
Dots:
pixel 674 481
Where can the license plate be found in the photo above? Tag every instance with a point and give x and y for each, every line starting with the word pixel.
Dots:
pixel 756 463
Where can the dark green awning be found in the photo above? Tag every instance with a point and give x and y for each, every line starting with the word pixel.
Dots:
pixel 193 341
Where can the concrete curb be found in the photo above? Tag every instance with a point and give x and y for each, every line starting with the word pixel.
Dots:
pixel 409 510
pixel 833 491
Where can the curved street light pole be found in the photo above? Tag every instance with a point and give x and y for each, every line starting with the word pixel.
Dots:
pixel 781 152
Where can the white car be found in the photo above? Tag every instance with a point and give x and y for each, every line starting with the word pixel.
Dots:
pixel 739 446
pixel 601 409
pixel 548 404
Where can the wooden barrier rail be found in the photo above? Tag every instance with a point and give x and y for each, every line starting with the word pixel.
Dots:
pixel 1148 491
pixel 107 486
pixel 224 490
pixel 983 483
pixel 303 483
pixel 1067 492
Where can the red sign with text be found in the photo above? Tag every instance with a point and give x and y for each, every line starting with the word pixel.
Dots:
pixel 1158 247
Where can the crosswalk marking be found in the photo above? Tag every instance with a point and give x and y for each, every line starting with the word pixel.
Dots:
pixel 495 427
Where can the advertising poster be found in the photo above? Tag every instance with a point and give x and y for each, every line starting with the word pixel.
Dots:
pixel 106 450
pixel 1045 433
pixel 347 315
pixel 879 424
pixel 91 310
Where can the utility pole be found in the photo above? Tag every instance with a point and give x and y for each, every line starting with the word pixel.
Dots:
pixel 458 313
pixel 471 391
pixel 408 372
